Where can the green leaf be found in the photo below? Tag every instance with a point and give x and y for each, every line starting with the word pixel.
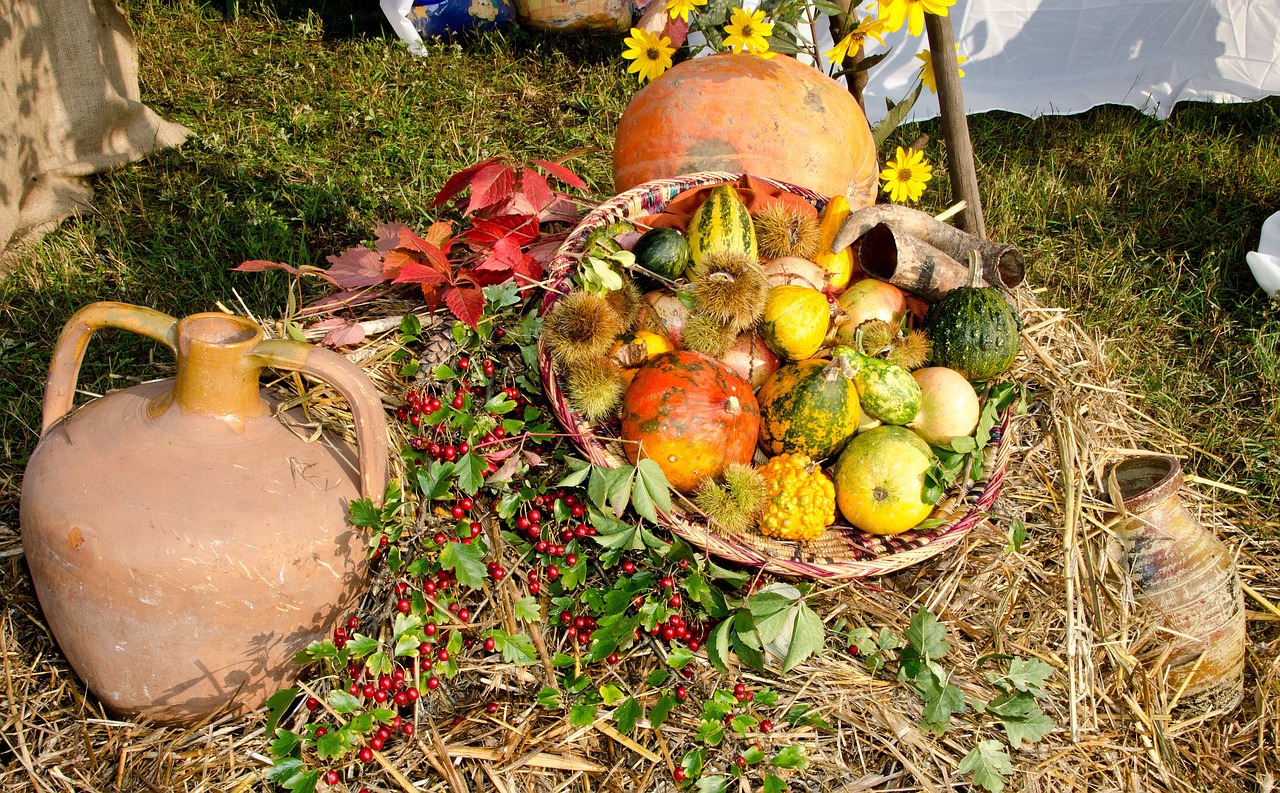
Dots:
pixel 1017 536
pixel 807 637
pixel 1029 674
pixel 277 705
pixel 936 716
pixel 657 677
pixel 527 609
pixel 499 404
pixel 773 784
pixel 518 649
pixel 362 723
pixel 693 761
pixel 361 645
pixel 1017 705
pixel 284 743
pixel 988 763
pixel 1030 728
pixel 627 714
pixel 661 709
pixel 790 757
pixel 364 514
pixel 499 296
pixel 330 745
pixel 610 694
pixel 434 482
pixel 470 470
pixel 650 493
pixel 710 732
pixel 712 784
pixel 467 561
pixel 410 328
pixel 284 768
pixel 926 636
pixel 583 715
pixel 894 118
pixel 743 723
pixel 679 657
pixel 718 645
pixel 579 470
pixel 343 702
pixel 444 372
pixel 548 697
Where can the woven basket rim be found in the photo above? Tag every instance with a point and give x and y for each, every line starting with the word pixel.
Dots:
pixel 968 506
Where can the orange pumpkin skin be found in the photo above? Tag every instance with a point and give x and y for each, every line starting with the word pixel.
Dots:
pixel 741 113
pixel 692 415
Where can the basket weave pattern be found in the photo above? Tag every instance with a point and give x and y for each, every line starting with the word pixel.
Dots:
pixel 842 551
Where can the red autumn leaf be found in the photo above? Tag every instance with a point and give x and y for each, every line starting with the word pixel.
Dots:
pixel 260 265
pixel 484 232
pixel 342 332
pixel 466 304
pixel 440 235
pixel 460 180
pixel 506 471
pixel 355 267
pixel 386 236
pixel 532 458
pixel 546 248
pixel 491 184
pixel 415 272
pixel 500 454
pixel 528 271
pixel 431 296
pixel 561 209
pixel 677 31
pixel 348 298
pixel 412 242
pixel 562 173
pixel 535 188
pixel 503 257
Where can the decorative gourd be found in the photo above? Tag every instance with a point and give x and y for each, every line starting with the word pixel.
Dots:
pixel 838 266
pixel 691 415
pixel 662 251
pixel 721 223
pixel 795 321
pixel 740 113
pixel 800 499
pixel 880 480
pixel 974 330
pixel 887 391
pixel 809 408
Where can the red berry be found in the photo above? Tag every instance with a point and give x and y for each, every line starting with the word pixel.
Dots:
pixel 379 696
pixel 353 622
pixel 464 447
pixel 628 567
pixel 476 529
pixel 430 628
pixel 463 363
pixel 376 743
pixel 404 605
pixel 534 587
pixel 331 777
pixel 492 707
pixel 612 659
pixel 499 433
pixel 464 615
pixel 666 582
pixel 433 682
pixel 739 689
pixel 739 761
pixel 489 644
pixel 678 775
pixel 366 754
pixel 577 511
pixel 766 726
pixel 681 692
pixel 369 690
pixel 553 572
pixel 407 728
pixel 458 512
pixel 412 693
pixel 312 703
pixel 571 559
pixel 440 539
pixel 674 602
pixel 443 655
pixel 684 564
pixel 458 402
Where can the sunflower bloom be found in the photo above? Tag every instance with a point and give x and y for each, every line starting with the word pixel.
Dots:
pixel 905 177
pixel 855 39
pixel 650 55
pixel 679 9
pixel 895 12
pixel 926 70
pixel 749 31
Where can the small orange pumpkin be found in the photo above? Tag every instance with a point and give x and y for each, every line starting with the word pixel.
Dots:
pixel 692 415
pixel 777 118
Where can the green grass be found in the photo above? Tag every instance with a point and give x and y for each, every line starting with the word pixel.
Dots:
pixel 310 128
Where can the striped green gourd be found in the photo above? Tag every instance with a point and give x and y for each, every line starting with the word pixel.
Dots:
pixel 887 391
pixel 721 223
pixel 974 330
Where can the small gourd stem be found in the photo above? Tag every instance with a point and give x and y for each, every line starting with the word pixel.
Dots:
pixel 975 269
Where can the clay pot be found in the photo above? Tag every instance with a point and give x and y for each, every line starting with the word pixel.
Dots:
pixel 184 542
pixel 1186 578
pixel 744 114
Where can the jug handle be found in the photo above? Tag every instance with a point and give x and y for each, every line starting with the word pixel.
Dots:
pixel 355 387
pixel 68 355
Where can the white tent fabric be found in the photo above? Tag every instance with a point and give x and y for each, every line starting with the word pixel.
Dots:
pixel 1037 57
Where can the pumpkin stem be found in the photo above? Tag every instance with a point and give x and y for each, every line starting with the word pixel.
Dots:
pixel 732 406
pixel 975 269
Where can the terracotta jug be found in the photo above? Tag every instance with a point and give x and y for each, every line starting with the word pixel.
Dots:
pixel 184 543
pixel 1187 579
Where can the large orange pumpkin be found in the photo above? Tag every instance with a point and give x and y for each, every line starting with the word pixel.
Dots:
pixel 776 118
pixel 692 415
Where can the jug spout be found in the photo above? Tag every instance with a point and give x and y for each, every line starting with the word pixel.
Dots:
pixel 217 376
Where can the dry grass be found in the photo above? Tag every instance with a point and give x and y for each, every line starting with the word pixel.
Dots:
pixel 1061 599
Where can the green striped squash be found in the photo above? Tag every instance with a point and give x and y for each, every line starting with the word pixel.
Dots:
pixel 809 408
pixel 721 222
pixel 887 391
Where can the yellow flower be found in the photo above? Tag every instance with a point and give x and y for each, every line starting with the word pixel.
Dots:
pixel 679 9
pixel 853 42
pixel 650 55
pixel 906 176
pixel 749 31
pixel 895 12
pixel 926 71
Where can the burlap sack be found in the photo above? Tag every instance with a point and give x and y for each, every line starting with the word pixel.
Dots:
pixel 68 107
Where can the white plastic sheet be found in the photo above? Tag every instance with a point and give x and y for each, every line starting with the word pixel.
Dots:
pixel 1037 57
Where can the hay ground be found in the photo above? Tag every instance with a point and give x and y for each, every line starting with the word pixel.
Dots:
pixel 1058 599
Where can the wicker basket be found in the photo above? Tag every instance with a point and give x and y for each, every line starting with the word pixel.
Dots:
pixel 842 551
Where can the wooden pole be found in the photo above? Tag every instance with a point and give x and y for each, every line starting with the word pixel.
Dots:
pixel 955 127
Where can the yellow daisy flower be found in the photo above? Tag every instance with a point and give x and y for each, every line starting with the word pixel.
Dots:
pixel 650 55
pixel 679 9
pixel 895 12
pixel 926 71
pixel 905 177
pixel 853 42
pixel 749 31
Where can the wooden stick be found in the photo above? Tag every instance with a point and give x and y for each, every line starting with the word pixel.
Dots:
pixel 955 127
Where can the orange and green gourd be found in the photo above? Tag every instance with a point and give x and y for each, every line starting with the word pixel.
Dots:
pixel 808 407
